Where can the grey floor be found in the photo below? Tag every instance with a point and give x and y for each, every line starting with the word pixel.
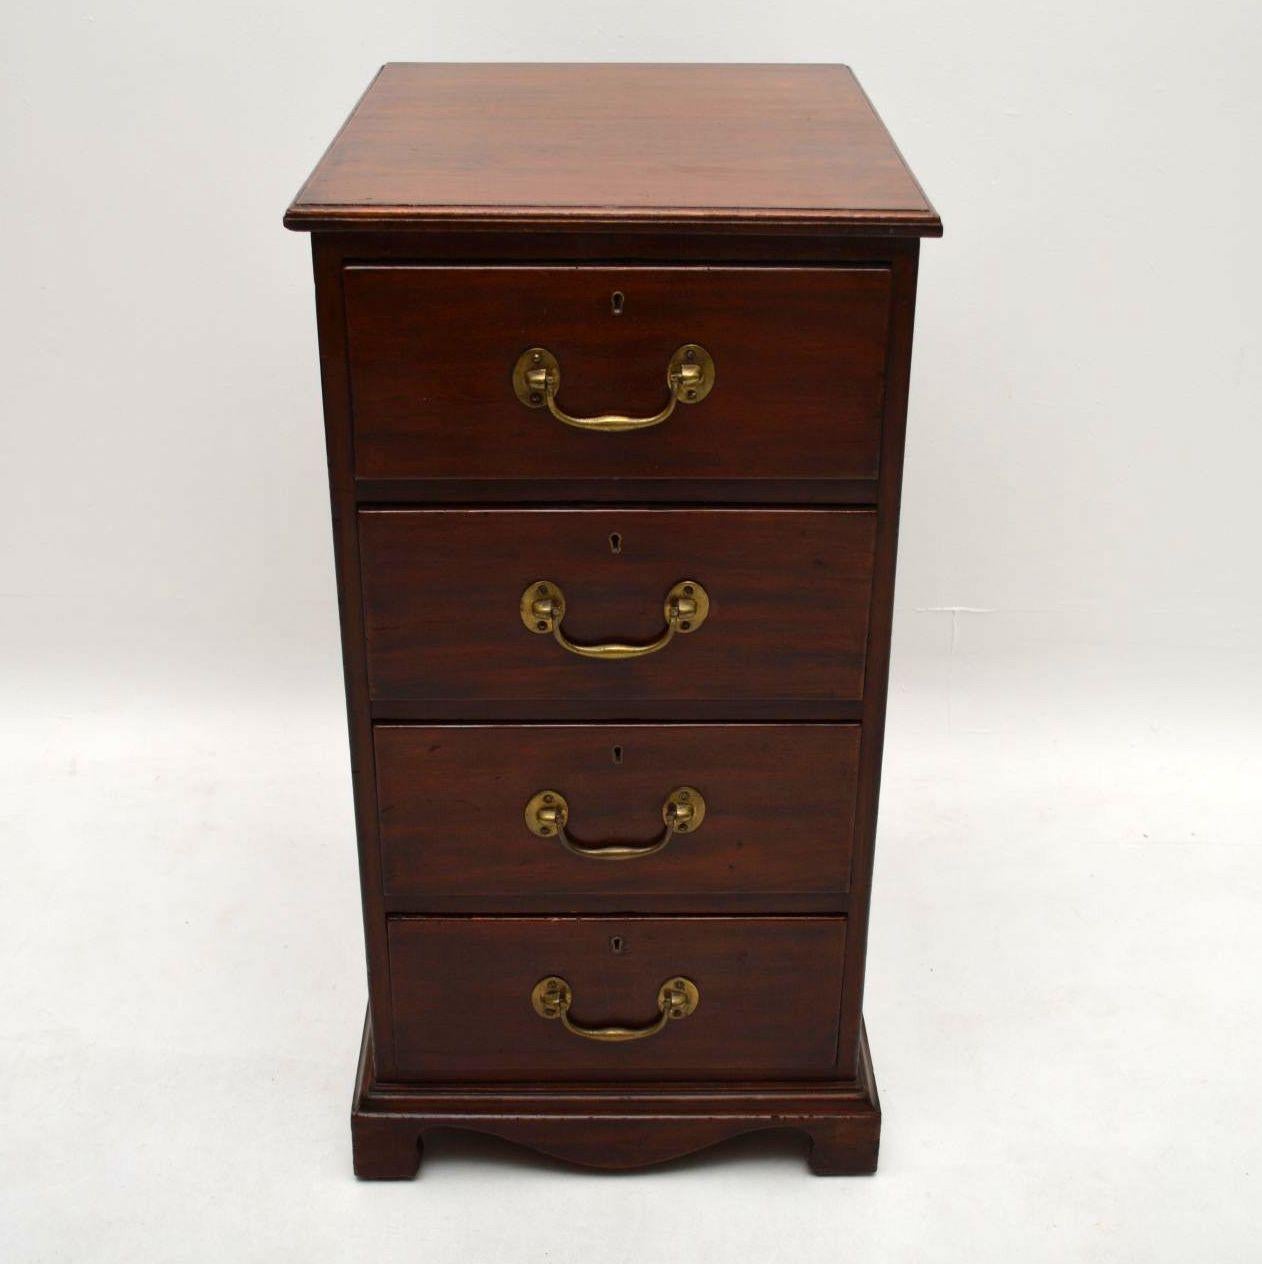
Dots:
pixel 1063 994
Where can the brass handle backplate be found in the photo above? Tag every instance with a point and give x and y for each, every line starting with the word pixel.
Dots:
pixel 537 379
pixel 548 813
pixel 685 609
pixel 553 996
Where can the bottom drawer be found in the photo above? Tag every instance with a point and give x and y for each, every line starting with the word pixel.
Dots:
pixel 467 994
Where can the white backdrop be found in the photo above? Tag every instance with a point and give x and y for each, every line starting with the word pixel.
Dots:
pixel 1062 998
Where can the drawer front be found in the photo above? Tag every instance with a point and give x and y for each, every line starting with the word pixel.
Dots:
pixel 788 594
pixel 767 997
pixel 799 358
pixel 770 811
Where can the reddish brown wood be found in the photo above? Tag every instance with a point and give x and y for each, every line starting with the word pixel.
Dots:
pixel 789 593
pixel 701 244
pixel 768 989
pixel 603 145
pixel 805 196
pixel 338 442
pixel 434 399
pixel 720 492
pixel 709 710
pixel 616 1126
pixel 450 803
pixel 879 638
pixel 382 1150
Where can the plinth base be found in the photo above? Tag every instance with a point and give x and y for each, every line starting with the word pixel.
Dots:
pixel 615 1126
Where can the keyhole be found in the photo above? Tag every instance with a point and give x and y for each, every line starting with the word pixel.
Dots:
pixel 615 542
pixel 617 754
pixel 616 300
pixel 618 944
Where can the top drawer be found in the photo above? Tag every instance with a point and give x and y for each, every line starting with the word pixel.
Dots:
pixel 798 354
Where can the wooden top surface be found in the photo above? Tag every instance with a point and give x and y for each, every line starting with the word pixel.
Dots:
pixel 596 146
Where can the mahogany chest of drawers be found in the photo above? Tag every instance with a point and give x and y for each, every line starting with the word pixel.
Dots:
pixel 615 366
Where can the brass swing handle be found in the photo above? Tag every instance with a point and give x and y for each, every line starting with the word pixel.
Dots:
pixel 548 812
pixel 543 607
pixel 676 998
pixel 537 379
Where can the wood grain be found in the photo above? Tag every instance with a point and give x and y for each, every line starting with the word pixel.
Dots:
pixel 615 1126
pixel 769 989
pixel 797 398
pixel 338 445
pixel 789 593
pixel 460 212
pixel 607 144
pixel 880 633
pixel 450 802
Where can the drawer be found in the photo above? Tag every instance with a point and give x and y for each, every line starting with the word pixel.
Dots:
pixel 798 354
pixel 463 818
pixel 768 992
pixel 449 619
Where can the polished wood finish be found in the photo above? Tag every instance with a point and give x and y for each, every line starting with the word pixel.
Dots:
pixel 615 1126
pixel 789 599
pixel 588 146
pixel 451 701
pixel 719 492
pixel 453 836
pixel 769 986
pixel 797 399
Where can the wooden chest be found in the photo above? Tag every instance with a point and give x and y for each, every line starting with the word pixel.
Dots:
pixel 615 365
